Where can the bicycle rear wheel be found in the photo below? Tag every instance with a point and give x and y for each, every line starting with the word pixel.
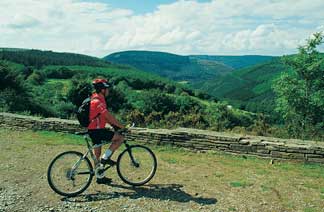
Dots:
pixel 136 165
pixel 69 174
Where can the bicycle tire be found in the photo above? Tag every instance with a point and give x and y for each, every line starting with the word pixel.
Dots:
pixel 125 156
pixel 50 176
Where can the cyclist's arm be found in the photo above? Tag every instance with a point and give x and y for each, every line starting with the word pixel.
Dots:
pixel 112 120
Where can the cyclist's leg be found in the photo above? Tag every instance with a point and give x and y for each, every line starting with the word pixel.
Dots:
pixel 117 140
pixel 97 136
pixel 97 152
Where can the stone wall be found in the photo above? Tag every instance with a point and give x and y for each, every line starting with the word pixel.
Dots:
pixel 308 151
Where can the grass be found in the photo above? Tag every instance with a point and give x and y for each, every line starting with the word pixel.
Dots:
pixel 242 184
pixel 322 191
pixel 171 160
pixel 238 183
pixel 265 188
pixel 54 138
pixel 310 210
pixel 219 175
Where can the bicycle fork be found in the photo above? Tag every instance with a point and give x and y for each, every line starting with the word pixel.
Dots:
pixel 134 162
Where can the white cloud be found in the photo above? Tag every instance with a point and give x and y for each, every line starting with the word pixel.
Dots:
pixel 263 39
pixel 320 29
pixel 61 25
pixel 23 21
pixel 184 27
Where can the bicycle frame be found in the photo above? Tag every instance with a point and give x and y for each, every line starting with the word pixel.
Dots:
pixel 91 147
pixel 89 151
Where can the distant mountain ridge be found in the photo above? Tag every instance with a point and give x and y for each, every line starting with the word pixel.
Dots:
pixel 236 62
pixel 191 68
pixel 244 81
pixel 38 58
pixel 175 67
pixel 249 88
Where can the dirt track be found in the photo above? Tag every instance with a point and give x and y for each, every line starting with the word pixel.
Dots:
pixel 24 185
pixel 185 181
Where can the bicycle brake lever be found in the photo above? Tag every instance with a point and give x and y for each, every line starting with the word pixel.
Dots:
pixel 122 130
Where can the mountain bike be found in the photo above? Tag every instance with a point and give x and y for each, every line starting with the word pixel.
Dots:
pixel 70 173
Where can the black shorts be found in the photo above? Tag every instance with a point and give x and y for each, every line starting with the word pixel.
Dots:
pixel 99 135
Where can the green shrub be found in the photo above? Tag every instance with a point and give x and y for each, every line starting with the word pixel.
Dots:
pixel 137 117
pixel 153 100
pixel 36 78
pixel 60 73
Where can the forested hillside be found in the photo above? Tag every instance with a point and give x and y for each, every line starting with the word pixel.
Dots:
pixel 47 89
pixel 54 84
pixel 249 88
pixel 236 62
pixel 244 81
pixel 172 66
pixel 38 58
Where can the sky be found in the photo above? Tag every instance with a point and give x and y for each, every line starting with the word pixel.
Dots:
pixel 213 27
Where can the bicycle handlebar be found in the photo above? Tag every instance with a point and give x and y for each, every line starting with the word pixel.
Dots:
pixel 116 129
pixel 126 129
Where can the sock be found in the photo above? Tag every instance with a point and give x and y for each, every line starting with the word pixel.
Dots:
pixel 107 154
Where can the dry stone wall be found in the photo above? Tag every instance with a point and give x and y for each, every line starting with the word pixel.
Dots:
pixel 203 140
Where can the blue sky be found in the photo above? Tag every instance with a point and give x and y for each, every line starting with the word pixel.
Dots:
pixel 144 6
pixel 139 7
pixel 214 27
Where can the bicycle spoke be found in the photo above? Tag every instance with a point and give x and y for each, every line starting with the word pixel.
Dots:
pixel 136 165
pixel 69 173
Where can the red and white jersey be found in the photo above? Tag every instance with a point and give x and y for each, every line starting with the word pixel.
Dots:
pixel 97 105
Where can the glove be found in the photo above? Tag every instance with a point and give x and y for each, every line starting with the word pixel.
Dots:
pixel 115 128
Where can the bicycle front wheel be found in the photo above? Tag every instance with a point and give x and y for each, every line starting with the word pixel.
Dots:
pixel 136 165
pixel 69 174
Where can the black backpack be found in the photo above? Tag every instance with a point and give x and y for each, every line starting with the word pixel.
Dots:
pixel 84 112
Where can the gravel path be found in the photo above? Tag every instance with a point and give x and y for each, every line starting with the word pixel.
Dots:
pixel 185 181
pixel 24 187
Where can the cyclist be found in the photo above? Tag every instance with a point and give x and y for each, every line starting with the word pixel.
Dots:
pixel 99 116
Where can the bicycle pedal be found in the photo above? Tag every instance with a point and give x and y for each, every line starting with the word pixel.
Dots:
pixel 108 162
pixel 99 172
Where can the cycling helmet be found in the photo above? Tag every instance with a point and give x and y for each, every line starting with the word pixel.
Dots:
pixel 101 84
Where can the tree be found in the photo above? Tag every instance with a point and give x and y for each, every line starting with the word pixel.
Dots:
pixel 186 103
pixel 300 95
pixel 81 89
pixel 117 100
pixel 155 100
pixel 27 70
pixel 16 95
pixel 60 73
pixel 36 78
